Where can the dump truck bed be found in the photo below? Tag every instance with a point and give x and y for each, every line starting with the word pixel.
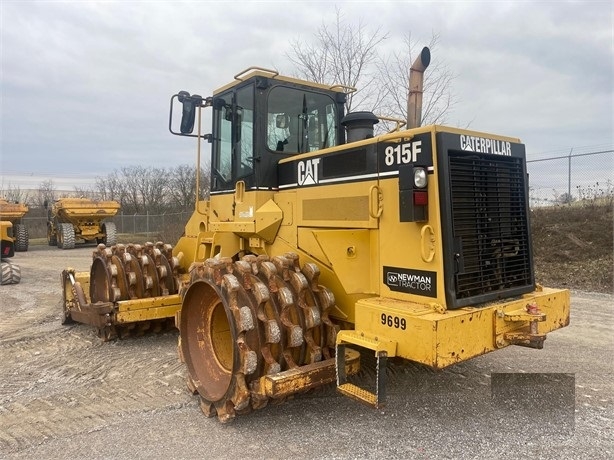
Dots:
pixel 12 211
pixel 78 208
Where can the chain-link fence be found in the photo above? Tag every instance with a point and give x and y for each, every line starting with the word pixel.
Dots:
pixel 148 225
pixel 580 174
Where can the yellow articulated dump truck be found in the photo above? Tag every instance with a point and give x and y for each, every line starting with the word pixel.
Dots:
pixel 13 213
pixel 321 240
pixel 73 220
pixel 11 272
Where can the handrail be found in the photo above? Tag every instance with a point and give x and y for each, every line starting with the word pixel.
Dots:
pixel 400 123
pixel 273 73
pixel 348 89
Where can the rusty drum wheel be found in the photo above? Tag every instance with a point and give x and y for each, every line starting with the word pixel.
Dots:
pixel 243 320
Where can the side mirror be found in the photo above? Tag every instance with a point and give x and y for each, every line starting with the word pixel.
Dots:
pixel 218 103
pixel 228 113
pixel 189 110
pixel 189 105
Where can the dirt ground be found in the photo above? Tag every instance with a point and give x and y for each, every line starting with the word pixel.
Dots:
pixel 66 394
pixel 574 246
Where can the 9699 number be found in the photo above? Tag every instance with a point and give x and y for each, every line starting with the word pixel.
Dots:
pixel 393 321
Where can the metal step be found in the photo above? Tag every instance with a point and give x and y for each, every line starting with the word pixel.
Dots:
pixel 359 394
pixel 382 348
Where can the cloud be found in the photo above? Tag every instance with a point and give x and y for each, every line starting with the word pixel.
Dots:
pixel 541 71
pixel 86 85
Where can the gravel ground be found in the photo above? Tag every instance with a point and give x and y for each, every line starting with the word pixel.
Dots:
pixel 65 394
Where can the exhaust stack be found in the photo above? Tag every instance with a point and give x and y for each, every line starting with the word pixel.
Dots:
pixel 416 78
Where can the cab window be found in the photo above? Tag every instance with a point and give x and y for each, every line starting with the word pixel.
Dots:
pixel 300 121
pixel 233 155
pixel 245 131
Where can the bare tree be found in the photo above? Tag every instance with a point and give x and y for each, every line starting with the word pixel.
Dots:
pixel 394 77
pixel 152 184
pixel 85 192
pixel 348 54
pixel 130 199
pixel 143 189
pixel 110 187
pixel 341 54
pixel 205 182
pixel 181 188
pixel 46 194
pixel 14 194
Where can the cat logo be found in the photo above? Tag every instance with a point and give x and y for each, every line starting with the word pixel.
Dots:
pixel 308 172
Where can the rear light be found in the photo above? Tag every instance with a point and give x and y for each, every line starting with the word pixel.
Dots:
pixel 421 198
pixel 413 193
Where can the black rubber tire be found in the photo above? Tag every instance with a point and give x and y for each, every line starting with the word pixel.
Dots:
pixel 21 237
pixel 52 238
pixel 11 273
pixel 110 234
pixel 6 272
pixel 66 238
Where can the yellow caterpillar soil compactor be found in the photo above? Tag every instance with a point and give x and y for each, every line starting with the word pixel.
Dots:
pixel 13 213
pixel 72 220
pixel 320 239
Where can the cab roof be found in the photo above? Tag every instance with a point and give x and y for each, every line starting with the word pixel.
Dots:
pixel 252 72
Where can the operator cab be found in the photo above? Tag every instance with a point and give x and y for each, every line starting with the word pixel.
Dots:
pixel 261 118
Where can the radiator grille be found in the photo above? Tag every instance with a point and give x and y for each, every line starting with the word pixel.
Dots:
pixel 490 224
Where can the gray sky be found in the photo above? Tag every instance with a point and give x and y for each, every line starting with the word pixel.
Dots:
pixel 86 85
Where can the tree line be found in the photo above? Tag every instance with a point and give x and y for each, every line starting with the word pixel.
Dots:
pixel 138 189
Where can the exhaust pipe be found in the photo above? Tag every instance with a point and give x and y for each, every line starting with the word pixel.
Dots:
pixel 416 78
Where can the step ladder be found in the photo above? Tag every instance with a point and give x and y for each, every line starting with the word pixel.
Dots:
pixel 382 348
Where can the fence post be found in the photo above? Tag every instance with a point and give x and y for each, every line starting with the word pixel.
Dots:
pixel 569 178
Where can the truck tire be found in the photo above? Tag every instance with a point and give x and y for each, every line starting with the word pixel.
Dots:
pixel 11 273
pixel 66 237
pixel 21 237
pixel 110 234
pixel 52 238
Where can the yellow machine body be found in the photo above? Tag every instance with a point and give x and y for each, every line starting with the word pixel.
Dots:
pixel 350 231
pixel 421 235
pixel 320 235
